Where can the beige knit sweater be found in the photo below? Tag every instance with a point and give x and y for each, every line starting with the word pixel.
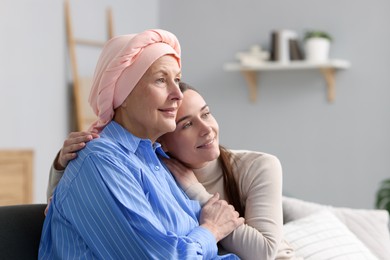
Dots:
pixel 259 178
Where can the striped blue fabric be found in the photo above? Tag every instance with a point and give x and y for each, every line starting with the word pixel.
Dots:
pixel 117 201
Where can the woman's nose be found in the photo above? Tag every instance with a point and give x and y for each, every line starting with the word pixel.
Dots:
pixel 205 128
pixel 175 91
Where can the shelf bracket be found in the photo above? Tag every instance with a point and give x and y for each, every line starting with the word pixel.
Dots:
pixel 251 80
pixel 328 74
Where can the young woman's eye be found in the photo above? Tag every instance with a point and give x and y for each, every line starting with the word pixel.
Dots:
pixel 187 125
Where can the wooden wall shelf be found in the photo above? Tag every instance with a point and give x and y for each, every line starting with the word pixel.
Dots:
pixel 327 69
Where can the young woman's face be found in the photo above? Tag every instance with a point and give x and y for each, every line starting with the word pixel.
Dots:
pixel 195 140
pixel 150 109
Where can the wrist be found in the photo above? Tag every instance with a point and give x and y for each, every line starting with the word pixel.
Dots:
pixel 56 164
pixel 213 230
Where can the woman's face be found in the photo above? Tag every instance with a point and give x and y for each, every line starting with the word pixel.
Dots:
pixel 195 140
pixel 150 109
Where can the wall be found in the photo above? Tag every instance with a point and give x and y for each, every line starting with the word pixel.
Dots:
pixel 35 96
pixel 331 153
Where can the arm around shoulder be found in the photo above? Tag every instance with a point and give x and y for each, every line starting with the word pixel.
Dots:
pixel 54 178
pixel 260 182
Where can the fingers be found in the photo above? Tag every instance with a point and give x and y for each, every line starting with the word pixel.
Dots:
pixel 64 159
pixel 47 206
pixel 75 142
pixel 95 135
pixel 216 196
pixel 213 199
pixel 77 138
pixel 220 217
pixel 72 148
pixel 240 221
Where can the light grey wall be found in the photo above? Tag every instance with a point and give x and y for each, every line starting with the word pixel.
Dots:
pixel 35 96
pixel 32 82
pixel 331 153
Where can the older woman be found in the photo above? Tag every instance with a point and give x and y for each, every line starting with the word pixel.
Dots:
pixel 116 200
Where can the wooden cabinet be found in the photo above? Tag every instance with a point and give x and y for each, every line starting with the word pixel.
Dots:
pixel 16 177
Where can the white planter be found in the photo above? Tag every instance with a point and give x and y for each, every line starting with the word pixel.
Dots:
pixel 317 49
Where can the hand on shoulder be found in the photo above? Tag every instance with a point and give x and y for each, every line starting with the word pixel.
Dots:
pixel 73 143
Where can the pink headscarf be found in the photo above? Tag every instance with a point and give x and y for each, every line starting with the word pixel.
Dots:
pixel 122 63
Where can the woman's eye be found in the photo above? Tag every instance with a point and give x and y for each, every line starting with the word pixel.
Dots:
pixel 177 81
pixel 161 80
pixel 186 125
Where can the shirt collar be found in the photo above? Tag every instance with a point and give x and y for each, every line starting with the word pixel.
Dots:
pixel 120 135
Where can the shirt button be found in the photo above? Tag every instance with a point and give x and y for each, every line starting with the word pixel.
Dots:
pixel 156 168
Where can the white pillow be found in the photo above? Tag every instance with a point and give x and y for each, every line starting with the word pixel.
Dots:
pixel 369 225
pixel 323 236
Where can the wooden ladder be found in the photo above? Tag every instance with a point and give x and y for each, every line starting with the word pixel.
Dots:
pixel 84 115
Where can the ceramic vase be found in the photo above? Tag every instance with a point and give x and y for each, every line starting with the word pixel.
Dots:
pixel 317 49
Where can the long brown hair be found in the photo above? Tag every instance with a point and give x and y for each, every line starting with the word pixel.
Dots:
pixel 229 183
pixel 227 160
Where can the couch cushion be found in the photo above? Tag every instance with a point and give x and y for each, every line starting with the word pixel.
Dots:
pixel 369 225
pixel 321 236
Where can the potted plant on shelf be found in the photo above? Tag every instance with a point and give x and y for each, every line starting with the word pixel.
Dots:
pixel 317 45
pixel 383 196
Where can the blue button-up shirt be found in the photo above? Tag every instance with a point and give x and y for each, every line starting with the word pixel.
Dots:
pixel 117 201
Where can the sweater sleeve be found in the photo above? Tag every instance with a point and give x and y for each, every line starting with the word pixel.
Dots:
pixel 198 192
pixel 260 182
pixel 54 178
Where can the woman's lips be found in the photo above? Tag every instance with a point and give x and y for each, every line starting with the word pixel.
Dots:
pixel 207 144
pixel 171 112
